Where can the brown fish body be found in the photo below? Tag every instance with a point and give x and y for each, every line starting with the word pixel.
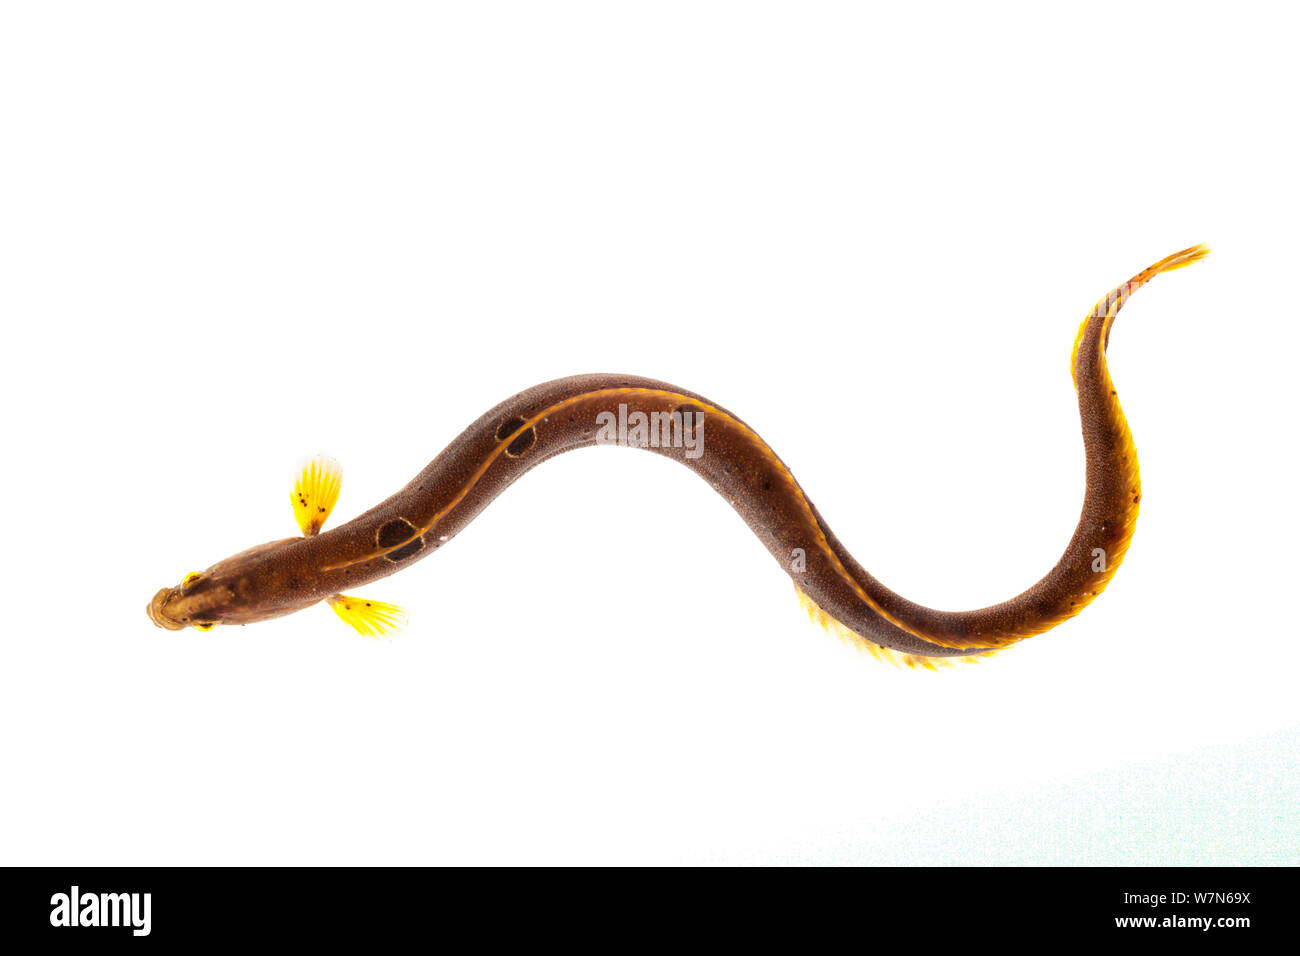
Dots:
pixel 502 445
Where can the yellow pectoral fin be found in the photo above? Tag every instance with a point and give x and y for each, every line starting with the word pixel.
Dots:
pixel 315 493
pixel 370 618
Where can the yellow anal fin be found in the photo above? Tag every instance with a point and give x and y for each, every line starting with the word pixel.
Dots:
pixel 315 493
pixel 369 618
pixel 880 653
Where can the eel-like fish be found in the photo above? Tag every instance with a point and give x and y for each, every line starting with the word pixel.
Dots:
pixel 281 577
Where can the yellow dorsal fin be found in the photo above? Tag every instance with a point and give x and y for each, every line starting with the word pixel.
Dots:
pixel 370 618
pixel 888 654
pixel 315 493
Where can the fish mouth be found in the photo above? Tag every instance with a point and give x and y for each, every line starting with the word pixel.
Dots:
pixel 156 614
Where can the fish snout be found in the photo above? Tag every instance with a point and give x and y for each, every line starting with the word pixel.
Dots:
pixel 158 616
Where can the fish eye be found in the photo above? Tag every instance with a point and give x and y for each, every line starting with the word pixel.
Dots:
pixel 207 626
pixel 191 578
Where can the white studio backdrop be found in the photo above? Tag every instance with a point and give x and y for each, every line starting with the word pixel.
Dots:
pixel 233 236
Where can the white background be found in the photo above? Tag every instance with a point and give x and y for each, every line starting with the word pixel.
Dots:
pixel 233 235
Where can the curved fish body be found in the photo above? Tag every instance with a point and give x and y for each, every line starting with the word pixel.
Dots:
pixel 281 577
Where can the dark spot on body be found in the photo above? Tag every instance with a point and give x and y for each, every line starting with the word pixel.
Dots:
pixel 394 532
pixel 525 441
pixel 407 551
pixel 509 427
